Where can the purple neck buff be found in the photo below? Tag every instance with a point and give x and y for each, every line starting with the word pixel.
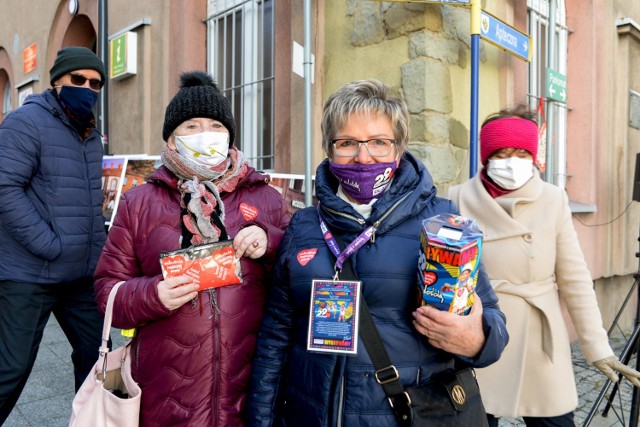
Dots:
pixel 364 182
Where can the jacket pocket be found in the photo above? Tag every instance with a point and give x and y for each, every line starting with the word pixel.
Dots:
pixel 44 271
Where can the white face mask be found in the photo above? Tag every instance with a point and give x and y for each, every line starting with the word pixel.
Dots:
pixel 510 173
pixel 207 148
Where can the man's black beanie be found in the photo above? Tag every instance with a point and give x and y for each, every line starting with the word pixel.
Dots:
pixel 75 58
pixel 198 97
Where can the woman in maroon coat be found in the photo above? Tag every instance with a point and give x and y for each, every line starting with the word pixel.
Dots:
pixel 192 350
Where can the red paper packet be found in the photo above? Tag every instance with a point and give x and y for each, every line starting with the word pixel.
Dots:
pixel 211 265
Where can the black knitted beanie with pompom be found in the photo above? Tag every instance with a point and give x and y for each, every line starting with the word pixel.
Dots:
pixel 198 97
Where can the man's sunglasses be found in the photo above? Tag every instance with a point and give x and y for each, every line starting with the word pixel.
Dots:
pixel 78 80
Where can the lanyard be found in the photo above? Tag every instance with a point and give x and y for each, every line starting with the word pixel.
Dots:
pixel 352 248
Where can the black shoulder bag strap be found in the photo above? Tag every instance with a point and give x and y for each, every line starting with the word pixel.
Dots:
pixel 386 373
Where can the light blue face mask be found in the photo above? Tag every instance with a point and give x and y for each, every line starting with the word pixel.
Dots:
pixel 80 100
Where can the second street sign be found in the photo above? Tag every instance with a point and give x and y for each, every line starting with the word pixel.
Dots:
pixel 505 36
pixel 556 86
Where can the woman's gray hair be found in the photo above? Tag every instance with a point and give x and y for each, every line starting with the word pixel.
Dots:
pixel 364 96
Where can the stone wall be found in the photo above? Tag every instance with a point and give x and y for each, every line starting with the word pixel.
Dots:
pixel 437 40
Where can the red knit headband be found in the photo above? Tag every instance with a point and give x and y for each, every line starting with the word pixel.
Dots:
pixel 510 132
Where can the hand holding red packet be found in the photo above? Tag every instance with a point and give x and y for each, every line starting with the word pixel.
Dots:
pixel 211 265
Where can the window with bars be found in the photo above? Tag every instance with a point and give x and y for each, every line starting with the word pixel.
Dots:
pixel 538 18
pixel 241 59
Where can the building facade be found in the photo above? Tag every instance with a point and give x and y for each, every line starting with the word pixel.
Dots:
pixel 255 51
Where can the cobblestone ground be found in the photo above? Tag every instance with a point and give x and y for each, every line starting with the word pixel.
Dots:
pixel 590 382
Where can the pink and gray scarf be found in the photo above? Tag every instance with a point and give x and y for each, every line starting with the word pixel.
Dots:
pixel 200 188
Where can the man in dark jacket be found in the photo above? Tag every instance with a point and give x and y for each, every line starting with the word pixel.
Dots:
pixel 51 224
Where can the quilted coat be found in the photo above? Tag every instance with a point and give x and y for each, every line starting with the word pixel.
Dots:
pixel 192 363
pixel 51 223
pixel 294 387
pixel 532 255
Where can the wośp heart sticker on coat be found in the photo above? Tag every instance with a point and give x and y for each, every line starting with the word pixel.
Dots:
pixel 248 212
pixel 306 255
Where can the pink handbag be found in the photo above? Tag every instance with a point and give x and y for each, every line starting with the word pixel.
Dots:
pixel 108 397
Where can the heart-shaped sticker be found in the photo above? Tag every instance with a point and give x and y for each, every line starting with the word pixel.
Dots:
pixel 248 212
pixel 430 278
pixel 306 255
pixel 173 265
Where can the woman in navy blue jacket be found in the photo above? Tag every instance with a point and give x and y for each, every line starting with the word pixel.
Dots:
pixel 369 187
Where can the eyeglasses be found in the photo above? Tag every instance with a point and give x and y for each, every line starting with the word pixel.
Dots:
pixel 378 147
pixel 78 80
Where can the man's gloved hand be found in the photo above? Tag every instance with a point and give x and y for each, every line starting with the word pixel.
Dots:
pixel 611 364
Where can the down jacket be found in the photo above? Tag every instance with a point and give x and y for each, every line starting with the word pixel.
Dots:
pixel 294 387
pixel 192 363
pixel 51 223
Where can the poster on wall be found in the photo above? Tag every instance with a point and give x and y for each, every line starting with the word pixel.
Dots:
pixel 138 170
pixel 291 187
pixel 122 173
pixel 112 174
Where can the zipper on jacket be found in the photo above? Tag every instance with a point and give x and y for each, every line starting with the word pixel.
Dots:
pixel 376 224
pixel 46 269
pixel 57 114
pixel 362 221
pixel 91 226
pixel 393 207
pixel 344 215
pixel 213 301
pixel 136 349
pixel 340 403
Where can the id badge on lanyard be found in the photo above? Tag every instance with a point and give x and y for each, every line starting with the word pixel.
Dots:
pixel 335 310
pixel 335 304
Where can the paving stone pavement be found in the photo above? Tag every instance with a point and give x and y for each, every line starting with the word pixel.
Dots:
pixel 589 383
pixel 46 399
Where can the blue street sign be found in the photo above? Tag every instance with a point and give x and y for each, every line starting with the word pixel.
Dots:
pixel 504 36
